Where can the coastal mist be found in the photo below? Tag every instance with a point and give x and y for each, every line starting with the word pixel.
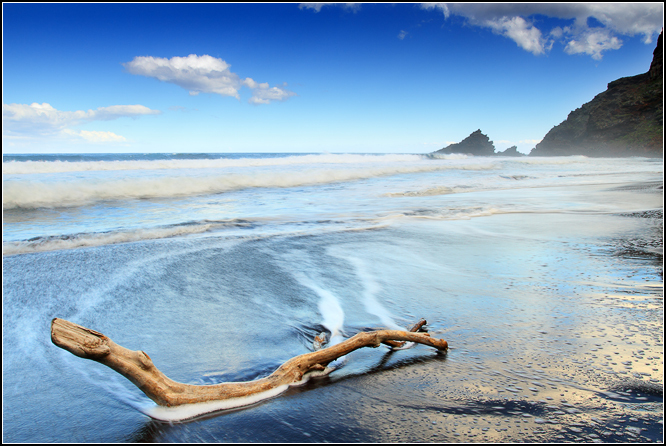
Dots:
pixel 544 274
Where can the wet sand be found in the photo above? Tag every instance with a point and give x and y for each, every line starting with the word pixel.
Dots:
pixel 567 349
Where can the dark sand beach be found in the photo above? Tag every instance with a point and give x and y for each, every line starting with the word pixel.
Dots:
pixel 555 322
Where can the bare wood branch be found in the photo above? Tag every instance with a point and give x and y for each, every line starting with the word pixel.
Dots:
pixel 418 327
pixel 415 328
pixel 140 370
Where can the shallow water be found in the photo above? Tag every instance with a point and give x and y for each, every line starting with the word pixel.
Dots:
pixel 552 307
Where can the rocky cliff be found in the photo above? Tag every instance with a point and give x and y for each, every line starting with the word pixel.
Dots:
pixel 476 144
pixel 625 120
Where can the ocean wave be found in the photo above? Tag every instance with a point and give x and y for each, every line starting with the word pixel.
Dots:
pixel 549 160
pixel 447 156
pixel 245 227
pixel 36 167
pixel 88 240
pixel 27 194
pixel 439 190
pixel 457 214
pixel 253 228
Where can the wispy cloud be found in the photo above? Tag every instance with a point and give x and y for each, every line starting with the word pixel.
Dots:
pixel 264 94
pixel 518 22
pixel 96 136
pixel 35 120
pixel 527 36
pixel 204 74
pixel 316 7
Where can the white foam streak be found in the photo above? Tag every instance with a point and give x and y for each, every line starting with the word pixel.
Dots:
pixel 329 307
pixel 430 192
pixel 331 311
pixel 100 239
pixel 188 411
pixel 370 290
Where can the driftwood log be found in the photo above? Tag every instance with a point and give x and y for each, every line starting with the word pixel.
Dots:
pixel 140 370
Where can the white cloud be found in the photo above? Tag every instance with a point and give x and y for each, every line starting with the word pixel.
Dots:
pixel 21 120
pixel 441 6
pixel 203 74
pixel 194 73
pixel 96 136
pixel 520 31
pixel 252 84
pixel 556 32
pixel 402 34
pixel 593 42
pixel 263 94
pixel 316 7
pixel 119 111
pixel 512 20
pixel 628 19
pixel 41 118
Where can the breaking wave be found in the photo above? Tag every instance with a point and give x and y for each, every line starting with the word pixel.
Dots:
pixel 19 193
pixel 31 167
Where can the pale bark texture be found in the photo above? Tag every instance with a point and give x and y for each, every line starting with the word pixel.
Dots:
pixel 140 370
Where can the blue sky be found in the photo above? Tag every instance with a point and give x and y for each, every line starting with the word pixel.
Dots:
pixel 341 78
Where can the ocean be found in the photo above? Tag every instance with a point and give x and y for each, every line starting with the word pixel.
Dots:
pixel 544 274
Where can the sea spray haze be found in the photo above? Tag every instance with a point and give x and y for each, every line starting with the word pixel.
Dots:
pixel 544 274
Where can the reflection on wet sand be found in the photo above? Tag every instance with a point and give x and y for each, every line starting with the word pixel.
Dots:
pixel 566 349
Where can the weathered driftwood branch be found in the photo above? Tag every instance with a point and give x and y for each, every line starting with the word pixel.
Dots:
pixel 140 370
pixel 415 328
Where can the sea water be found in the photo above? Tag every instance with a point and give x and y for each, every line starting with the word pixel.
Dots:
pixel 544 274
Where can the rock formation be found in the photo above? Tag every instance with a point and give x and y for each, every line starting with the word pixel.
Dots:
pixel 625 120
pixel 511 151
pixel 475 144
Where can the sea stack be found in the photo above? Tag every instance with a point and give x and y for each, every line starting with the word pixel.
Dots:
pixel 476 144
pixel 625 120
pixel 511 151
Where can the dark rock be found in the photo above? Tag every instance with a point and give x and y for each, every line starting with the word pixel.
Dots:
pixel 475 144
pixel 625 120
pixel 511 151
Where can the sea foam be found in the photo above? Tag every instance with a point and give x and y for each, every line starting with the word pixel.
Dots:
pixel 370 290
pixel 35 167
pixel 87 240
pixel 188 411
pixel 27 194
